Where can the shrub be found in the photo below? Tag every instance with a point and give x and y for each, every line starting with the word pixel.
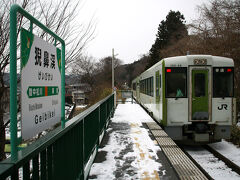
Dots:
pixel 235 135
pixel 105 93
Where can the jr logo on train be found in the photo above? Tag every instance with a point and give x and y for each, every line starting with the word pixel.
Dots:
pixel 192 97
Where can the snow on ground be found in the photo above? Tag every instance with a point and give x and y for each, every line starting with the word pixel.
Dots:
pixel 238 124
pixel 81 106
pixel 130 152
pixel 68 110
pixel 216 168
pixel 228 150
pixel 7 130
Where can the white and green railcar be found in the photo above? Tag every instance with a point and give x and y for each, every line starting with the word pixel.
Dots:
pixel 191 96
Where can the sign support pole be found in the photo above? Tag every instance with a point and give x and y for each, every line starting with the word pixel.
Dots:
pixel 13 81
pixel 63 86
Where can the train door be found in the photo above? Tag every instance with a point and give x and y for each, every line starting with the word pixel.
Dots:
pixel 200 94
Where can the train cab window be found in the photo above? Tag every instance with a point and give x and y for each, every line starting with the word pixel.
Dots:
pixel 199 85
pixel 176 82
pixel 223 82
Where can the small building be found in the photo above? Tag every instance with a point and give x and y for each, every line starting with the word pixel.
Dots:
pixel 79 97
pixel 77 93
pixel 68 95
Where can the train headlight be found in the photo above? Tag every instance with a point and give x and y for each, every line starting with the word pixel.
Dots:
pixel 221 70
pixel 217 70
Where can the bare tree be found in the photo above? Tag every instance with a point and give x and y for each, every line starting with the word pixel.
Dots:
pixel 93 72
pixel 86 68
pixel 218 32
pixel 4 61
pixel 215 32
pixel 60 17
pixel 97 74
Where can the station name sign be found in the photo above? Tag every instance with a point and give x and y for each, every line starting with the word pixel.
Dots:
pixel 40 84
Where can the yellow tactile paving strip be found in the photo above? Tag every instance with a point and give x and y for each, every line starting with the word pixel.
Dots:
pixel 143 155
pixel 185 168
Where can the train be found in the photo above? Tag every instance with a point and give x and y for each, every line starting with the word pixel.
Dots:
pixel 191 97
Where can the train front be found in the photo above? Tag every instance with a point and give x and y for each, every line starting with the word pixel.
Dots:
pixel 199 98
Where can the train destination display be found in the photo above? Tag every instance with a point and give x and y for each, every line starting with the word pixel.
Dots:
pixel 40 84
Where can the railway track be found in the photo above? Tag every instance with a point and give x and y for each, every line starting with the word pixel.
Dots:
pixel 228 162
pixel 213 164
pixel 230 168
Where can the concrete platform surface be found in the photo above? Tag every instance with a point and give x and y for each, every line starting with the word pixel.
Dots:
pixel 128 149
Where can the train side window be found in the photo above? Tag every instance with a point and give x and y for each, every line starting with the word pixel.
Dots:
pixel 149 86
pixel 176 82
pixel 145 86
pixel 142 86
pixel 157 85
pixel 223 82
pixel 160 81
pixel 134 86
pixel 151 92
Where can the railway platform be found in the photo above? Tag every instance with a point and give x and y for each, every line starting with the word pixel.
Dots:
pixel 135 147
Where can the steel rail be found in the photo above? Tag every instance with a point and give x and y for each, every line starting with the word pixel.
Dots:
pixel 228 162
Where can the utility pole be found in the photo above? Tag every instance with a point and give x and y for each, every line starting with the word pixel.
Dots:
pixel 113 87
pixel 113 58
pixel 112 70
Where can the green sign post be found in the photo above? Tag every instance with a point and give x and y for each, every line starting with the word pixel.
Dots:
pixel 41 90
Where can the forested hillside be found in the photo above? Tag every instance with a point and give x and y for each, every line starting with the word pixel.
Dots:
pixel 215 32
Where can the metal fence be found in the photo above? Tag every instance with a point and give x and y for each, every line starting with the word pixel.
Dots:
pixel 63 153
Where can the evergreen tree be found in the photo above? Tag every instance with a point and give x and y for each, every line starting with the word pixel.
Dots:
pixel 169 32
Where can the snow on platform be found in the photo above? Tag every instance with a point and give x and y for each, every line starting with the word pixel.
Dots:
pixel 128 151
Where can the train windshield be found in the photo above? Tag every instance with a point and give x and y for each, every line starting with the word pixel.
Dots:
pixel 176 82
pixel 222 82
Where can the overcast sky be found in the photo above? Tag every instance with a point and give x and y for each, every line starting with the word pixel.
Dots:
pixel 130 26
